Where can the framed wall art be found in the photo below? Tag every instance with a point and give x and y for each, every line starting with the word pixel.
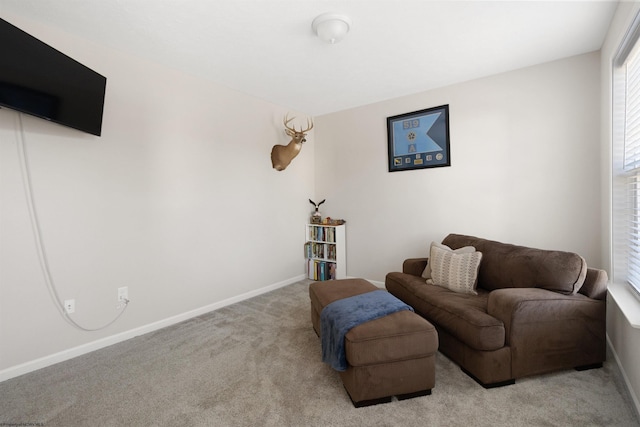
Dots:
pixel 419 140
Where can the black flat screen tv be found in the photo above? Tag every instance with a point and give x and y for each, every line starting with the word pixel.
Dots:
pixel 39 80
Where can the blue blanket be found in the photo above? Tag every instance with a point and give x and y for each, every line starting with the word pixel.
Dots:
pixel 338 317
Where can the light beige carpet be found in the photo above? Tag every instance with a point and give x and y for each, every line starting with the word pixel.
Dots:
pixel 257 363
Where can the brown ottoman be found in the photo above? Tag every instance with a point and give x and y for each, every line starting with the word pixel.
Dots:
pixel 390 356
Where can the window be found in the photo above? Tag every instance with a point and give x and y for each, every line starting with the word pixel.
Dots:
pixel 626 159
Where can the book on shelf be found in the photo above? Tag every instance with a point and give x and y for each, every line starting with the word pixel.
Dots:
pixel 310 269
pixel 322 233
pixel 320 250
pixel 332 270
pixel 321 270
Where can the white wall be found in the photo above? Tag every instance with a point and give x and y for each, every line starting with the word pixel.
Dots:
pixel 623 338
pixel 525 168
pixel 177 200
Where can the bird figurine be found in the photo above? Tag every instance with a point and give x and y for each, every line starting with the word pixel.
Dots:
pixel 316 216
pixel 317 205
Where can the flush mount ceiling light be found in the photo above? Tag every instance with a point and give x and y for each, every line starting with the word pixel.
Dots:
pixel 331 27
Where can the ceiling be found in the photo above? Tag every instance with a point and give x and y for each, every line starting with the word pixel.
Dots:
pixel 266 48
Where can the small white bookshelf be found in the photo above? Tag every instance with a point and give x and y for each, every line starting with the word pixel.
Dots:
pixel 325 252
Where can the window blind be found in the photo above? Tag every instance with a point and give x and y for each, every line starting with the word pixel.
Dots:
pixel 632 114
pixel 631 165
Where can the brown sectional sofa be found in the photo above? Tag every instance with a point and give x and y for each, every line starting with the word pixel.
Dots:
pixel 535 311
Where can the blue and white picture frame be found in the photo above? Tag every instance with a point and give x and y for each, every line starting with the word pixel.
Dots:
pixel 419 140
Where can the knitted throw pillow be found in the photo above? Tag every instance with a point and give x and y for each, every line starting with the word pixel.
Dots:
pixel 426 274
pixel 455 271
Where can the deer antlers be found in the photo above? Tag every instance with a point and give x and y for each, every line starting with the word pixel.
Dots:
pixel 292 130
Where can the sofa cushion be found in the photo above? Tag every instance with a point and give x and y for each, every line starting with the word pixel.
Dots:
pixel 399 336
pixel 426 273
pixel 455 271
pixel 463 316
pixel 510 266
pixel 347 288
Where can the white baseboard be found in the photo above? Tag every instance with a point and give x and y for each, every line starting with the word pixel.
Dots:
pixel 52 359
pixel 373 282
pixel 378 284
pixel 627 383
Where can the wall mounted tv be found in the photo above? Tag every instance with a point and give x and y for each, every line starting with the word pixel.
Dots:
pixel 39 80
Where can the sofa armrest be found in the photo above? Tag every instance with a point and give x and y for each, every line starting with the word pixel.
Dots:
pixel 595 284
pixel 548 328
pixel 516 307
pixel 414 266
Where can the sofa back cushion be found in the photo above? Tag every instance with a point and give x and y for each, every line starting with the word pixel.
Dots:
pixel 509 266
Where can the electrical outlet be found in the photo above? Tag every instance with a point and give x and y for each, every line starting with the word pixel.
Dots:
pixel 123 294
pixel 70 306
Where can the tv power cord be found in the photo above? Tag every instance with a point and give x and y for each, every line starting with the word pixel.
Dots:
pixel 37 234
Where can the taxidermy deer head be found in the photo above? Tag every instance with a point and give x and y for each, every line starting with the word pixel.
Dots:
pixel 281 155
